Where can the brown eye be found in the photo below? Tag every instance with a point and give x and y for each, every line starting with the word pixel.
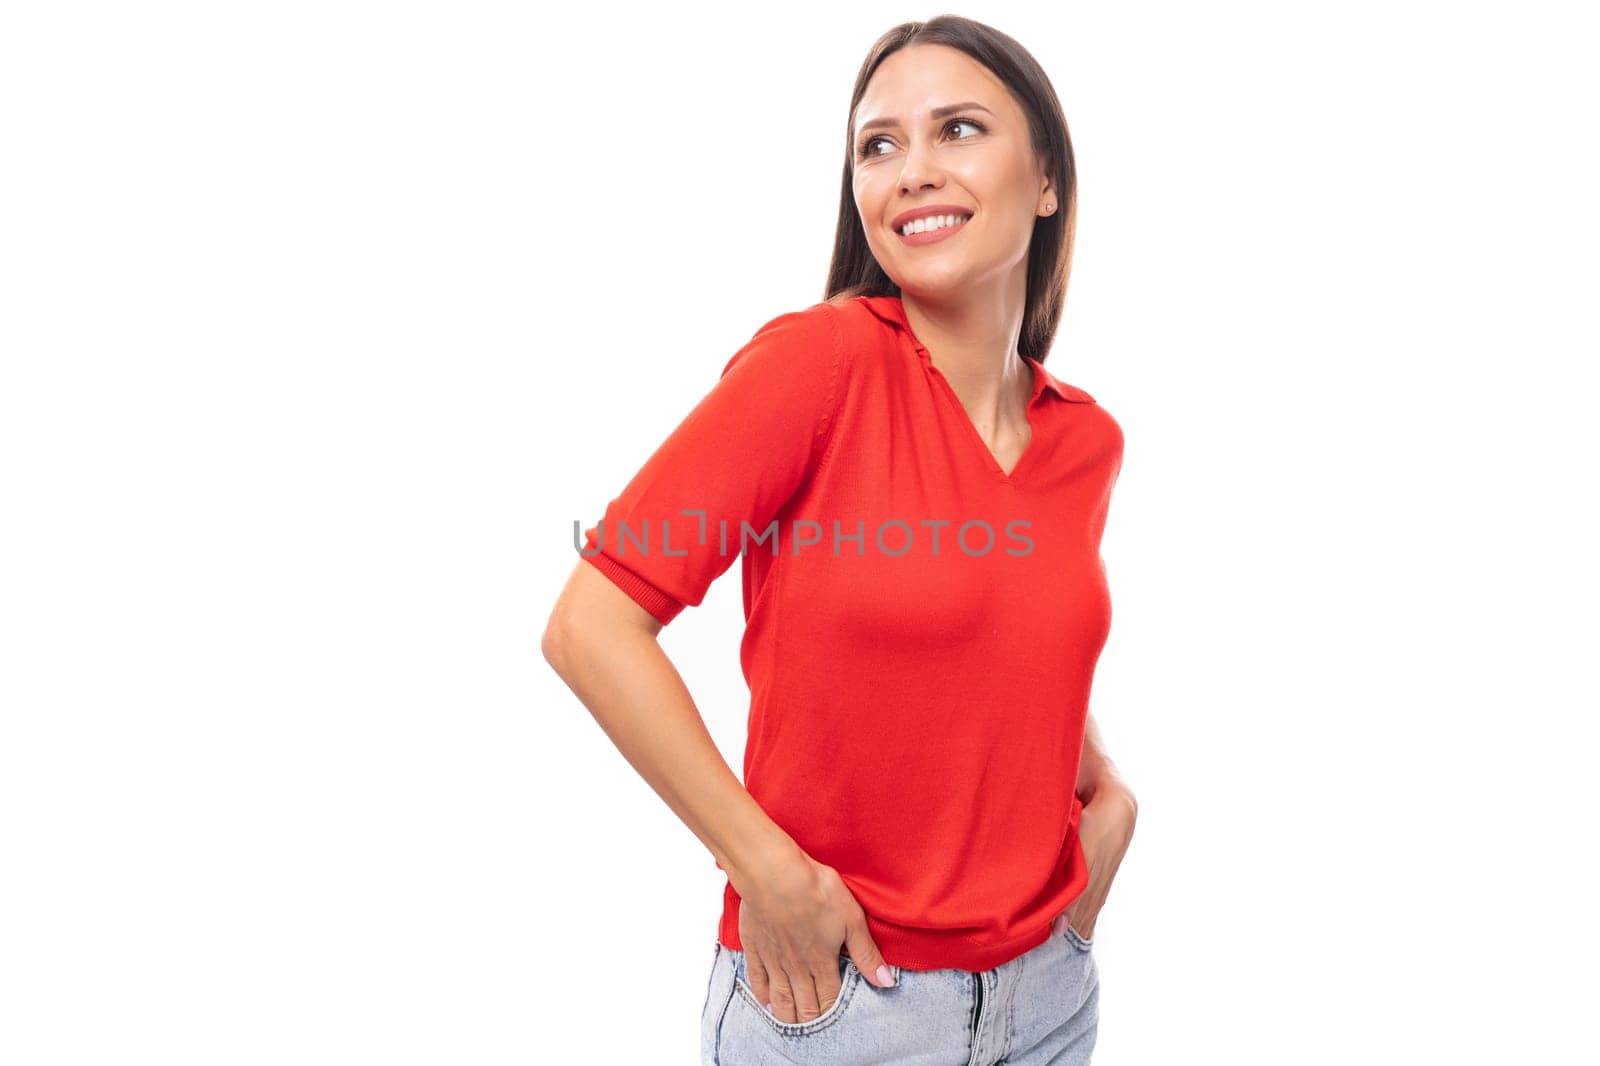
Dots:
pixel 866 147
pixel 864 150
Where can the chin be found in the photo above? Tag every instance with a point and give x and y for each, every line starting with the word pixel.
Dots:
pixel 934 282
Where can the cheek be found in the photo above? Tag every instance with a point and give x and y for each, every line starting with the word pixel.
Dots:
pixel 998 180
pixel 870 205
pixel 868 197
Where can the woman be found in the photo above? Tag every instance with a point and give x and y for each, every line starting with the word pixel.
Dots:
pixel 927 827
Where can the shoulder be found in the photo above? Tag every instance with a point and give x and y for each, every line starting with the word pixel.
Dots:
pixel 1091 410
pixel 846 323
pixel 863 320
pixel 1111 427
pixel 794 366
pixel 827 339
pixel 1107 431
pixel 801 339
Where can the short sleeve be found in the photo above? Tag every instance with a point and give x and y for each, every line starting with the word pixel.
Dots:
pixel 743 452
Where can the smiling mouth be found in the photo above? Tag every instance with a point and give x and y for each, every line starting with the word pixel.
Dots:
pixel 930 236
pixel 946 222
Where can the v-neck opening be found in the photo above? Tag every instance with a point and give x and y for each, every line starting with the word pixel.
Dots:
pixel 972 430
pixel 892 310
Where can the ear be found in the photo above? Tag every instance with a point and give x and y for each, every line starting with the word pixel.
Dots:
pixel 1049 203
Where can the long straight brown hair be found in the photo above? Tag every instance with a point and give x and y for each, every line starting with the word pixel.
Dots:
pixel 854 270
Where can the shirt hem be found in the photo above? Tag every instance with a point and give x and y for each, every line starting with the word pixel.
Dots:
pixel 918 949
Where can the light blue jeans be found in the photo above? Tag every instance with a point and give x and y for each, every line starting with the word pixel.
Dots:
pixel 1041 1007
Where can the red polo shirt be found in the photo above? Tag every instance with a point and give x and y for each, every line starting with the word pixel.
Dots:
pixel 921 626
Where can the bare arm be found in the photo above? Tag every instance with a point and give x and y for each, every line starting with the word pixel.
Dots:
pixel 794 912
pixel 1096 771
pixel 604 646
pixel 1105 829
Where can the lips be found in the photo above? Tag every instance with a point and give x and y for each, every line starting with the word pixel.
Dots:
pixel 899 221
pixel 932 236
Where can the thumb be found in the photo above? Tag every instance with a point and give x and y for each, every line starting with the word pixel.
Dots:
pixel 864 953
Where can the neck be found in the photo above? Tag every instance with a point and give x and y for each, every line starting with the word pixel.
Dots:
pixel 973 343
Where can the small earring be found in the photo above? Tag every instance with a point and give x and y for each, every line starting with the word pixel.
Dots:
pixel 1049 208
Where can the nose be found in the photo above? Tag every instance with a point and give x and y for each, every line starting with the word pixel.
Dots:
pixel 920 170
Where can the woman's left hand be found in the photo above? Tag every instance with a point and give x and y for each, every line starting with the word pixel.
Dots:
pixel 1105 829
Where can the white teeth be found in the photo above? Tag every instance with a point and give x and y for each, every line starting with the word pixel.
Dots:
pixel 923 225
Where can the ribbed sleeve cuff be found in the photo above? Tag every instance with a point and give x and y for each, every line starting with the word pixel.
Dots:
pixel 661 606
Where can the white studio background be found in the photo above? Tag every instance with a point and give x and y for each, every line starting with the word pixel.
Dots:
pixel 323 322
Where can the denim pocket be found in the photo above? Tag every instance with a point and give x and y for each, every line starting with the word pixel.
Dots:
pixel 849 981
pixel 716 954
pixel 1079 941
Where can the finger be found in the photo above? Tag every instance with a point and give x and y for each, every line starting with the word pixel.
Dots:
pixel 828 983
pixel 755 975
pixel 864 953
pixel 780 993
pixel 804 987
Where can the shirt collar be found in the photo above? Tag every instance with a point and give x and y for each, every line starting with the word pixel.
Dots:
pixel 892 311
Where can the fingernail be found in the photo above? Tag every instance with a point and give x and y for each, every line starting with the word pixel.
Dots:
pixel 769 1010
pixel 885 977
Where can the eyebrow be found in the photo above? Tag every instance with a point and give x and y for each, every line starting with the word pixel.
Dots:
pixel 938 112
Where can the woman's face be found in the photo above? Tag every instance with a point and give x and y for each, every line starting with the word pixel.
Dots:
pixel 977 159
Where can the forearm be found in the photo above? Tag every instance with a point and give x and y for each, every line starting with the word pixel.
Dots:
pixel 1097 774
pixel 638 698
